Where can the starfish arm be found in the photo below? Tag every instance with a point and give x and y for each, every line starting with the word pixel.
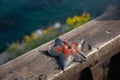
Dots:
pixel 80 43
pixel 65 60
pixel 78 58
pixel 83 56
pixel 58 41
pixel 52 51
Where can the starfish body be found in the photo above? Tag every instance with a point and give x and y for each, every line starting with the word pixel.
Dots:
pixel 67 51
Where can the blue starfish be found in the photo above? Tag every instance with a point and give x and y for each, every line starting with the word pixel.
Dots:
pixel 67 51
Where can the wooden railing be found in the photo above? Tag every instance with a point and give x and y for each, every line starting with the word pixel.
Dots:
pixel 102 35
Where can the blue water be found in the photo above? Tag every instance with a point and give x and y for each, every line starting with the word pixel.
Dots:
pixel 21 17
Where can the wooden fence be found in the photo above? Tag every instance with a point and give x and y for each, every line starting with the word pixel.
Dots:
pixel 102 35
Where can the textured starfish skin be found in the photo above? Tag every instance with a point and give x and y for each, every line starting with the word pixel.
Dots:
pixel 67 51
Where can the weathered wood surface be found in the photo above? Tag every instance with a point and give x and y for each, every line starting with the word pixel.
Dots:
pixel 97 72
pixel 102 33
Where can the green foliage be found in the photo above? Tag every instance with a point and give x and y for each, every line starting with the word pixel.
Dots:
pixel 76 21
pixel 13 47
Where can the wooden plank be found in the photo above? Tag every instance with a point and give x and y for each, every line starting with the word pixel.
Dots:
pixel 97 72
pixel 102 33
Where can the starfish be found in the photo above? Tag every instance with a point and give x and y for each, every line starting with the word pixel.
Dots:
pixel 67 52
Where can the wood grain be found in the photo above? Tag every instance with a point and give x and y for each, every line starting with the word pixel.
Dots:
pixel 102 34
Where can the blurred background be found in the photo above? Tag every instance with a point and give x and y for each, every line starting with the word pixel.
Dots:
pixel 26 24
